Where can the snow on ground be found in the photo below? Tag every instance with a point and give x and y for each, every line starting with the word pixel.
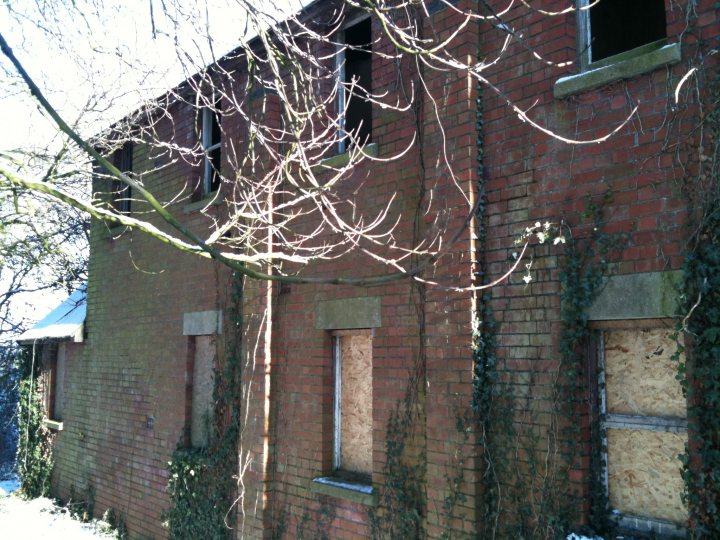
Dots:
pixel 575 536
pixel 40 519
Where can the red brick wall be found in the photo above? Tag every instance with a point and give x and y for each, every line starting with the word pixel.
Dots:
pixel 532 177
pixel 125 408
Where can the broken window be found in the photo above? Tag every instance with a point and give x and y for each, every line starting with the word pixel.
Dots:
pixel 210 139
pixel 199 389
pixel 355 73
pixel 644 417
pixel 121 192
pixel 352 351
pixel 611 27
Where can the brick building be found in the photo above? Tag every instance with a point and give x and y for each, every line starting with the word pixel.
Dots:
pixel 372 410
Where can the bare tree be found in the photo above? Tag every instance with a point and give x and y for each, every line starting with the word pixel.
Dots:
pixel 285 203
pixel 43 246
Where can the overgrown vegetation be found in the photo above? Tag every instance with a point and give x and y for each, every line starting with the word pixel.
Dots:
pixel 201 482
pixel 9 379
pixel 400 512
pixel 198 503
pixel 34 451
pixel 700 327
pixel 527 488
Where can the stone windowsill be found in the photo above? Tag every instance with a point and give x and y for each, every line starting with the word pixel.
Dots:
pixel 342 489
pixel 54 425
pixel 622 66
pixel 632 524
pixel 211 199
pixel 340 160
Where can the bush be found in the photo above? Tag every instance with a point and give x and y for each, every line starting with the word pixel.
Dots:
pixel 34 449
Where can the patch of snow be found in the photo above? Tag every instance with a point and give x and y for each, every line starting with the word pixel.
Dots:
pixel 575 536
pixel 42 519
pixel 65 321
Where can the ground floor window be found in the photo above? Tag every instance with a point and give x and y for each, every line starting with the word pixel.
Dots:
pixel 352 356
pixel 644 421
pixel 200 387
pixel 53 361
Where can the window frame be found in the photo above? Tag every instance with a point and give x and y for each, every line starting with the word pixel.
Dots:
pixel 210 180
pixel 196 400
pixel 337 465
pixel 630 422
pixel 54 360
pixel 121 192
pixel 584 39
pixel 624 65
pixel 341 83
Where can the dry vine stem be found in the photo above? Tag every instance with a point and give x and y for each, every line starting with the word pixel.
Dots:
pixel 278 181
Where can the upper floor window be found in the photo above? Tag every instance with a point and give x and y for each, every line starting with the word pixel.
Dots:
pixel 121 192
pixel 355 75
pixel 612 27
pixel 210 139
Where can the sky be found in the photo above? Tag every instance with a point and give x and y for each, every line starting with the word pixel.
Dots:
pixel 122 54
pixel 107 56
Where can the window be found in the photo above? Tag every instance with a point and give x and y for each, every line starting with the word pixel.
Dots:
pixel 54 383
pixel 611 27
pixel 121 192
pixel 210 139
pixel 352 450
pixel 644 420
pixel 200 383
pixel 355 74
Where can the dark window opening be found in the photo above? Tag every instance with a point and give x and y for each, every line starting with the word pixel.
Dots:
pixel 357 70
pixel 617 26
pixel 121 192
pixel 210 138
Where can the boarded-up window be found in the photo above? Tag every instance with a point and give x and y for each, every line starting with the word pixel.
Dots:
pixel 646 426
pixel 53 358
pixel 201 389
pixel 353 402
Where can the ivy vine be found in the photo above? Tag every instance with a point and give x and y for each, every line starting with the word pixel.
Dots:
pixel 34 450
pixel 702 463
pixel 700 324
pixel 201 482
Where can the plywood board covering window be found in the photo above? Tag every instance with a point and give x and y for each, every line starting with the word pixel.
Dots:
pixel 59 384
pixel 644 473
pixel 645 423
pixel 203 382
pixel 53 358
pixel 353 402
